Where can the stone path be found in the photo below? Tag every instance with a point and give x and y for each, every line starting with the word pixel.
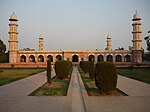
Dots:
pixel 13 97
pixel 133 87
pixel 24 86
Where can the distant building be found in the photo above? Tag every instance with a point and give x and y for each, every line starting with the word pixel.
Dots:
pixel 132 56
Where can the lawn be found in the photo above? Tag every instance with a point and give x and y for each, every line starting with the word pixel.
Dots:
pixel 9 75
pixel 141 74
pixel 91 88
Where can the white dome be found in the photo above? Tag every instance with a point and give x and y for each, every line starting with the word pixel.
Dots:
pixel 13 17
pixel 136 16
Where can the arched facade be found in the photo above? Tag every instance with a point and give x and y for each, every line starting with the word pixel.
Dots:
pixel 75 58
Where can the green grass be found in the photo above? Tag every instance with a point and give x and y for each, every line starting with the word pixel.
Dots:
pixel 56 88
pixel 9 75
pixel 141 74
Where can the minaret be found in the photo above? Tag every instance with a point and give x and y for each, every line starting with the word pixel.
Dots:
pixel 13 39
pixel 137 49
pixel 41 46
pixel 108 47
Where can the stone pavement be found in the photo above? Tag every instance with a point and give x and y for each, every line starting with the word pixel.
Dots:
pixel 134 88
pixel 13 97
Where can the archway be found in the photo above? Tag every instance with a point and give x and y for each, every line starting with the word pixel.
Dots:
pixel 75 58
pixel 118 58
pixel 91 58
pixel 23 58
pixel 50 57
pixel 59 57
pixel 127 58
pixel 109 58
pixel 31 58
pixel 100 58
pixel 40 58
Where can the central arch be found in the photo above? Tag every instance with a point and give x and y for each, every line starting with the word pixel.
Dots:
pixel 75 58
pixel 91 58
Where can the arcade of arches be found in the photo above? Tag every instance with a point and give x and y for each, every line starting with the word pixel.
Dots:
pixel 75 57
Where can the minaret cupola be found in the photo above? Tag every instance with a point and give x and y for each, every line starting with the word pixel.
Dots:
pixel 108 46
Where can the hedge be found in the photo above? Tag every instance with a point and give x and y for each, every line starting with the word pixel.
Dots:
pixel 106 76
pixel 87 67
pixel 63 68
pixel 48 74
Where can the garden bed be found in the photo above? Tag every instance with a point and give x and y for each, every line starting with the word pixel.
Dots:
pixel 92 90
pixel 58 87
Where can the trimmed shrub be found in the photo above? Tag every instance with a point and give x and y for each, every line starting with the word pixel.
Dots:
pixel 84 66
pixel 106 76
pixel 63 68
pixel 48 74
pixel 91 69
pixel 87 67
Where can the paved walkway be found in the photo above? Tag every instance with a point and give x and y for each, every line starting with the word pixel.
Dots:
pixel 13 97
pixel 24 86
pixel 133 87
pixel 137 101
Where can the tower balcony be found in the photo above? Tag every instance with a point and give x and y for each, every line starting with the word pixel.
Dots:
pixel 136 32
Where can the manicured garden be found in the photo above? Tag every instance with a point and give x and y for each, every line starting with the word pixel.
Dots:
pixel 141 74
pixel 91 88
pixel 100 79
pixel 10 75
pixel 58 85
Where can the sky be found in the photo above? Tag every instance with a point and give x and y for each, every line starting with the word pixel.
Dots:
pixel 74 24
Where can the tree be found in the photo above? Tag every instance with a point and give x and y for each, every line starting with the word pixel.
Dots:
pixel 2 52
pixel 146 55
pixel 147 39
pixel 48 74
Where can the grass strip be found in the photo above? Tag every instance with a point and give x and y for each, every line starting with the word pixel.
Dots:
pixel 9 75
pixel 140 74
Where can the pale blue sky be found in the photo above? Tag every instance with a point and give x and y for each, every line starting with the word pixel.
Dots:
pixel 74 24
